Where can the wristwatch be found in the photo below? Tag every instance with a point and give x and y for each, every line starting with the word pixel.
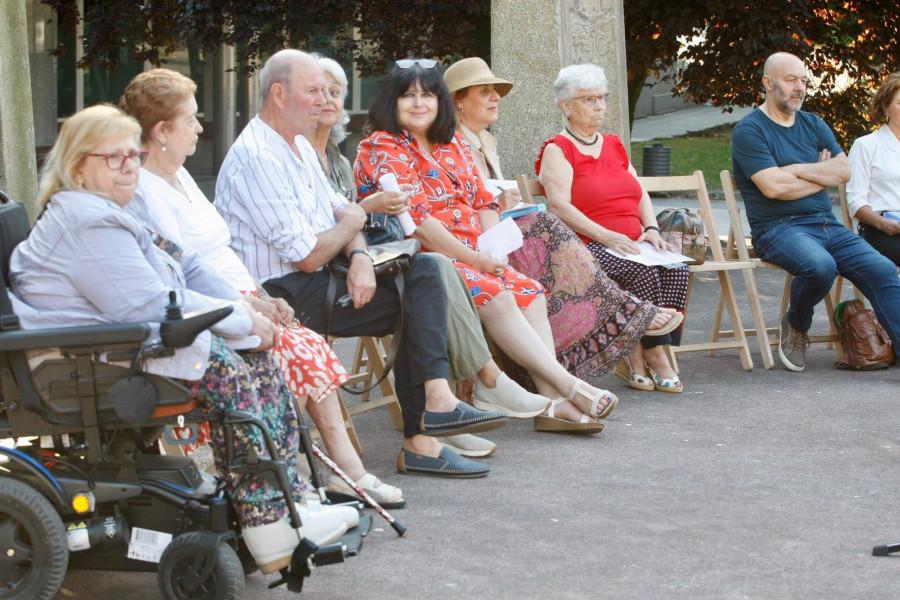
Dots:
pixel 361 251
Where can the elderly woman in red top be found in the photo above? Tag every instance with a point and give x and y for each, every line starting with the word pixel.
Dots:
pixel 593 188
pixel 415 139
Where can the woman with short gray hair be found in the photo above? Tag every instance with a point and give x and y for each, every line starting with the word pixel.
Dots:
pixel 587 342
pixel 573 78
pixel 592 187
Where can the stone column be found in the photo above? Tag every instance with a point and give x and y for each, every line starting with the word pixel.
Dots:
pixel 18 170
pixel 224 105
pixel 531 40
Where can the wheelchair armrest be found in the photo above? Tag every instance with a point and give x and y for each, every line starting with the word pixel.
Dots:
pixel 179 333
pixel 89 335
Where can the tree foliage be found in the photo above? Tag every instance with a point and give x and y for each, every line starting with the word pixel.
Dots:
pixel 146 30
pixel 715 50
pixel 703 50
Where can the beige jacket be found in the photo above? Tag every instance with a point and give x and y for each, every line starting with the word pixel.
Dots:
pixel 484 150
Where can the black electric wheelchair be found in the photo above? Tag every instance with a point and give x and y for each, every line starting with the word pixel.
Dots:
pixel 80 473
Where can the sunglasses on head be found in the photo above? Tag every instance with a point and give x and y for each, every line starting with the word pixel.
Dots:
pixel 425 63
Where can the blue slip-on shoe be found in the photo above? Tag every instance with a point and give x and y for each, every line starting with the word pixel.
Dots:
pixel 463 419
pixel 448 464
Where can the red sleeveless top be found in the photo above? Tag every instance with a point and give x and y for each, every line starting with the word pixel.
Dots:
pixel 602 188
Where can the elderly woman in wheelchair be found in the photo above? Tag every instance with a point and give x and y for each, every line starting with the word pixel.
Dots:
pixel 88 263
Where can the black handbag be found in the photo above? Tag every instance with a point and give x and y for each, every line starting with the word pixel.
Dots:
pixel 389 261
pixel 382 228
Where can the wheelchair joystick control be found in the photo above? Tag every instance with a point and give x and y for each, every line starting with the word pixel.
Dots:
pixel 173 308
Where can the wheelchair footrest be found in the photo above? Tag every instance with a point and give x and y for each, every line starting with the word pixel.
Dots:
pixel 353 539
pixel 329 555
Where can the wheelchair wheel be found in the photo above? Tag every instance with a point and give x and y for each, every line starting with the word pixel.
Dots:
pixel 225 582
pixel 34 552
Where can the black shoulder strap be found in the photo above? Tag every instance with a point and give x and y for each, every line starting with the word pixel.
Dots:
pixel 330 294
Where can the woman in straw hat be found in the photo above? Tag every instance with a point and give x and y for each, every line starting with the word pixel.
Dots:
pixel 595 324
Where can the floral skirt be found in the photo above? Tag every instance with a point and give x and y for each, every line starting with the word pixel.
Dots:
pixel 594 323
pixel 251 382
pixel 309 364
pixel 310 368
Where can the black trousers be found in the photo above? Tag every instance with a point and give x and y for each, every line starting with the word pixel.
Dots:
pixel 422 354
pixel 889 245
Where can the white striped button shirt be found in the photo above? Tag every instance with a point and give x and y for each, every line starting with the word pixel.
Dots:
pixel 275 203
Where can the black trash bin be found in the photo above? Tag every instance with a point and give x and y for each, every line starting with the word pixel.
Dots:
pixel 656 160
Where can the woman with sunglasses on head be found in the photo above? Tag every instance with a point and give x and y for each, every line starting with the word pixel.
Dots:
pixel 467 349
pixel 87 261
pixel 595 324
pixel 169 200
pixel 591 185
pixel 414 138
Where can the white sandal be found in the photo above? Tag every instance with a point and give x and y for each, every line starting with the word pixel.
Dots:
pixel 595 400
pixel 388 496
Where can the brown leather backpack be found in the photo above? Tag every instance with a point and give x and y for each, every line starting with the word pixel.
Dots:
pixel 866 345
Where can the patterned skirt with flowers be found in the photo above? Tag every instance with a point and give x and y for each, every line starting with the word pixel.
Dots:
pixel 594 323
pixel 310 368
pixel 251 382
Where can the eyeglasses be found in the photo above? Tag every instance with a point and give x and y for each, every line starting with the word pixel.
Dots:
pixel 592 100
pixel 425 63
pixel 115 160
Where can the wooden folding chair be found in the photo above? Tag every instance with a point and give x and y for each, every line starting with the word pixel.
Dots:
pixel 848 223
pixel 737 247
pixel 528 188
pixel 695 184
pixel 368 365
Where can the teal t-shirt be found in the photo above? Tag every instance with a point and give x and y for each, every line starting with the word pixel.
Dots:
pixel 759 143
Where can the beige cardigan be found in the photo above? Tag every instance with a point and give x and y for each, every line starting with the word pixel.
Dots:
pixel 484 151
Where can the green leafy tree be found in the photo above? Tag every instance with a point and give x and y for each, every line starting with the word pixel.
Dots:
pixel 703 50
pixel 388 29
pixel 715 50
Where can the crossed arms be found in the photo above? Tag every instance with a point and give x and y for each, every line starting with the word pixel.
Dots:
pixel 799 180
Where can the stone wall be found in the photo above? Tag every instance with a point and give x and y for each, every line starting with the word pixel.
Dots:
pixel 17 160
pixel 531 40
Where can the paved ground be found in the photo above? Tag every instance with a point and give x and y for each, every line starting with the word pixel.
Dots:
pixel 762 484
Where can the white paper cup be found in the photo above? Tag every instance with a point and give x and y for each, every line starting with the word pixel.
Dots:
pixel 406 223
pixel 389 183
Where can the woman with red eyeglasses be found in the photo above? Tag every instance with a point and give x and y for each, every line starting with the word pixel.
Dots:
pixel 87 261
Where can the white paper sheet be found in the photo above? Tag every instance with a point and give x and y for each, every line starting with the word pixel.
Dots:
pixel 389 184
pixel 652 257
pixel 501 239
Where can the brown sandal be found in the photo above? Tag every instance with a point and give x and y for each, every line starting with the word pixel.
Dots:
pixel 549 422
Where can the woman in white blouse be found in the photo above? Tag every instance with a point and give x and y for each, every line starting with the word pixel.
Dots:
pixel 167 198
pixel 873 192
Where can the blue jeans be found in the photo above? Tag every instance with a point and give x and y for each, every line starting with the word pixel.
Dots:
pixel 815 249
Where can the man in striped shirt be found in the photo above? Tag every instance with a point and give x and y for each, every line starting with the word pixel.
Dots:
pixel 287 223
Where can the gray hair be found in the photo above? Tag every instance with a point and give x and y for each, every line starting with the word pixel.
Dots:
pixel 278 69
pixel 339 131
pixel 579 77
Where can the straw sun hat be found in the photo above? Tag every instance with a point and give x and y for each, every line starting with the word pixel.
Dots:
pixel 474 71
